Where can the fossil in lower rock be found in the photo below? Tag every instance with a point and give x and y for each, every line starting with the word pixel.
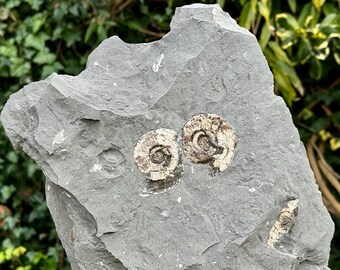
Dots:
pixel 284 222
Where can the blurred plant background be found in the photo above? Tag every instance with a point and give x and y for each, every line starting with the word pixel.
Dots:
pixel 300 39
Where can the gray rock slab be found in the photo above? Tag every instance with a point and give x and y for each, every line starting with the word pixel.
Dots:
pixel 82 132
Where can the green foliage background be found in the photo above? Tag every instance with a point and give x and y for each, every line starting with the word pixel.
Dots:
pixel 300 40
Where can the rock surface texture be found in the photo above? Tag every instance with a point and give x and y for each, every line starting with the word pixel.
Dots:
pixel 262 210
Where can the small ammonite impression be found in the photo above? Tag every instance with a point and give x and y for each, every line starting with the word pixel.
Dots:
pixel 208 138
pixel 157 155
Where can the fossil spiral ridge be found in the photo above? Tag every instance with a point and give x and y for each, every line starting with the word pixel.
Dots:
pixel 158 156
pixel 208 138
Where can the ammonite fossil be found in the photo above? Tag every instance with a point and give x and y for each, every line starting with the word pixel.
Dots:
pixel 208 138
pixel 158 155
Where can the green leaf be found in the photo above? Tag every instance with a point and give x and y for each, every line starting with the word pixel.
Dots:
pixel 265 36
pixel 4 13
pixel 19 68
pixel 337 57
pixel 264 11
pixel 12 157
pixel 329 8
pixel 37 21
pixel 315 70
pixel 288 41
pixel 90 29
pixel 318 4
pixel 101 32
pixel 292 5
pixel 133 25
pixel 6 192
pixel 285 87
pixel 278 52
pixel 253 5
pixel 303 53
pixel 221 3
pixel 49 69
pixel 72 36
pixel 35 4
pixel 336 118
pixel 74 10
pixel 12 3
pixel 321 54
pixel 287 21
pixel 36 41
pixel 306 114
pixel 290 73
pixel 307 10
pixel 246 16
pixel 9 50
pixel 44 57
pixel 329 19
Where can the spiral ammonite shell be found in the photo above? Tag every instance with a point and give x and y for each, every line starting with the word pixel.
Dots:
pixel 158 155
pixel 208 138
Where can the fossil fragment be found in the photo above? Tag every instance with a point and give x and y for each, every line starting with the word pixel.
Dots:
pixel 208 138
pixel 157 155
pixel 284 222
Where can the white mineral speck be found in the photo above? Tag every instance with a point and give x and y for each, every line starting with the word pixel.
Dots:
pixel 252 189
pixel 179 199
pixel 96 168
pixel 157 64
pixel 59 138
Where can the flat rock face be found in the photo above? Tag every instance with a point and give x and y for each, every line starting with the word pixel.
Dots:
pixel 253 205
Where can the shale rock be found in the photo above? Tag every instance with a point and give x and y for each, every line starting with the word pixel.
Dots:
pixel 251 202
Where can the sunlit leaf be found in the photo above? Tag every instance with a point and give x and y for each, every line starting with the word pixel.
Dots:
pixel 318 3
pixel 321 54
pixel 38 21
pixel 325 135
pixel 287 21
pixel 307 10
pixel 334 144
pixel 18 251
pixel 264 11
pixel 337 57
pixel 253 5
